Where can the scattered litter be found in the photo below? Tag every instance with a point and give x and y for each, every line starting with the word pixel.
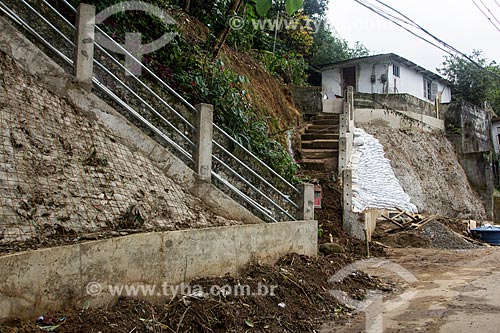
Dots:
pixel 282 305
pixel 50 323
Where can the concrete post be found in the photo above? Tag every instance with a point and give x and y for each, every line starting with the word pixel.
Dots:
pixel 342 154
pixel 84 51
pixel 202 154
pixel 347 187
pixel 350 101
pixel 306 202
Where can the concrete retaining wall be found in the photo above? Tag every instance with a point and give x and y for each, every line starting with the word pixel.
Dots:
pixel 307 99
pixel 386 118
pixel 404 102
pixel 35 282
pixel 469 129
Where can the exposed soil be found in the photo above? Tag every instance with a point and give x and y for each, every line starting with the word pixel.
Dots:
pixel 440 233
pixel 301 303
pixel 428 170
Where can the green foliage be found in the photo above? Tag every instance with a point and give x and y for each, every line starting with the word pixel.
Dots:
pixel 191 70
pixel 263 6
pixel 328 48
pixel 210 82
pixel 315 8
pixel 293 5
pixel 472 84
pixel 291 68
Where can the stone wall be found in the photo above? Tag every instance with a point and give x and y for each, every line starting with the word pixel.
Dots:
pixel 469 129
pixel 308 99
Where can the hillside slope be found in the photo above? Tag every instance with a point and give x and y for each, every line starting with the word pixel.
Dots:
pixel 427 168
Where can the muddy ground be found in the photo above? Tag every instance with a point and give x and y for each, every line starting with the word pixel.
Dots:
pixel 301 303
pixel 454 292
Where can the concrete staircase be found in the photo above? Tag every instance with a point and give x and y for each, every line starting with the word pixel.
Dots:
pixel 320 143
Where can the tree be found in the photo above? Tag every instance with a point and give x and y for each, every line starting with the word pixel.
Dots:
pixel 328 48
pixel 470 82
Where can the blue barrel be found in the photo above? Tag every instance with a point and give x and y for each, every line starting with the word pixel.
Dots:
pixel 489 234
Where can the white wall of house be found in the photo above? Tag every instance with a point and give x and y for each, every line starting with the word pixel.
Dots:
pixel 332 82
pixel 409 81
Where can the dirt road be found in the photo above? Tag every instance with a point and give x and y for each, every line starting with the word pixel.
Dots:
pixel 455 292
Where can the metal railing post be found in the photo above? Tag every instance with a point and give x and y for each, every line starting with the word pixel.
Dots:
pixel 306 202
pixel 84 45
pixel 202 154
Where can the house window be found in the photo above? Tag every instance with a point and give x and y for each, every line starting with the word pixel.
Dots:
pixel 396 70
pixel 429 89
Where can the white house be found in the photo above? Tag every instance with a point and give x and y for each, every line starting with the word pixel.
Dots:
pixel 383 74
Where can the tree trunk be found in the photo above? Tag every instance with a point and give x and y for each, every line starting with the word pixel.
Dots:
pixel 187 5
pixel 222 35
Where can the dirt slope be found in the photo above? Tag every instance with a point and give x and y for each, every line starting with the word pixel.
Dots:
pixel 63 175
pixel 428 170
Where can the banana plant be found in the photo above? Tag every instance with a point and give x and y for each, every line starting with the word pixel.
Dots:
pixel 263 6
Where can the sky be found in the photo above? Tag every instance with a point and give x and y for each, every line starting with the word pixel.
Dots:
pixel 457 22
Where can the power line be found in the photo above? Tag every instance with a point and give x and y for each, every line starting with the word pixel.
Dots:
pixel 399 25
pixel 493 15
pixel 440 41
pixel 498 4
pixel 486 15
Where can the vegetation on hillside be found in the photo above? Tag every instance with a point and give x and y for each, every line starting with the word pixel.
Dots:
pixel 471 83
pixel 195 63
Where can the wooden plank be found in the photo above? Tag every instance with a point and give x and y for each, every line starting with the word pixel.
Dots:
pixel 471 240
pixel 425 221
pixel 392 221
pixel 383 245
pixel 410 216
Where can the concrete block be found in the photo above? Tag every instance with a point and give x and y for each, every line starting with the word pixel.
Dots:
pixel 39 281
pixel 343 124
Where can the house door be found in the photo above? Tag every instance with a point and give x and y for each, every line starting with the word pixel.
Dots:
pixel 348 78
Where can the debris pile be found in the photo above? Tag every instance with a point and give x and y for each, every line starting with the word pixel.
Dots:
pixel 300 301
pixel 405 229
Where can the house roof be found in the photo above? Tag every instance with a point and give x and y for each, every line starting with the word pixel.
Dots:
pixel 390 57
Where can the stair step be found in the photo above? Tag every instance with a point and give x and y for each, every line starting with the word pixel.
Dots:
pixel 319 136
pixel 323 128
pixel 320 164
pixel 320 144
pixel 324 116
pixel 319 153
pixel 326 121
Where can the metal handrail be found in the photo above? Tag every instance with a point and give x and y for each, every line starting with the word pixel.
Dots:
pixel 170 90
pixel 141 118
pixel 118 63
pixel 187 104
pixel 245 197
pixel 255 174
pixel 150 107
pixel 252 187
pixel 274 173
pixel 6 10
pixel 265 212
